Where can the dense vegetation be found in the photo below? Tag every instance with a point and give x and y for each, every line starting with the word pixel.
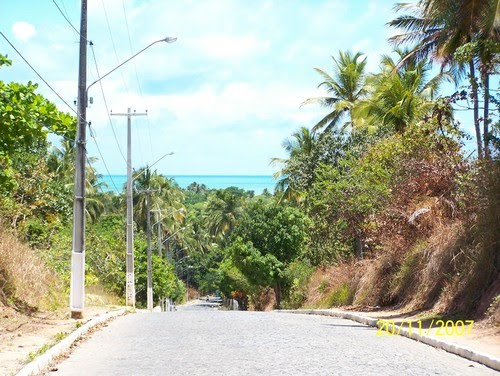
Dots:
pixel 377 204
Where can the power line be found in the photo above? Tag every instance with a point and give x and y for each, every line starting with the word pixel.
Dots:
pixel 130 45
pixel 42 125
pixel 92 135
pixel 66 18
pixel 113 43
pixel 106 104
pixel 38 74
pixel 137 76
pixel 27 114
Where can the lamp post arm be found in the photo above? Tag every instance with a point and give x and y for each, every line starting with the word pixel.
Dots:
pixel 149 167
pixel 181 229
pixel 126 61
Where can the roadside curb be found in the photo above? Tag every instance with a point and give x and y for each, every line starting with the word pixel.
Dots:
pixel 464 352
pixel 44 360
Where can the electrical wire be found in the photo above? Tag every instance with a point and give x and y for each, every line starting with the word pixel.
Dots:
pixel 66 18
pixel 92 135
pixel 38 74
pixel 106 104
pixel 113 43
pixel 137 76
pixel 100 83
pixel 28 115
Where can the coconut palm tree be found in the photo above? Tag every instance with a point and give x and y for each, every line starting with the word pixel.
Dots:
pixel 345 88
pixel 223 210
pixel 300 145
pixel 400 97
pixel 168 197
pixel 61 162
pixel 439 29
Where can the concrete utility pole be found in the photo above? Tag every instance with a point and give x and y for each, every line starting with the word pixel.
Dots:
pixel 159 234
pixel 150 266
pixel 77 278
pixel 158 223
pixel 77 284
pixel 130 278
pixel 149 291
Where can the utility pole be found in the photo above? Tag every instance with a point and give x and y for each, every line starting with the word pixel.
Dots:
pixel 159 234
pixel 150 266
pixel 77 284
pixel 149 291
pixel 130 278
pixel 158 223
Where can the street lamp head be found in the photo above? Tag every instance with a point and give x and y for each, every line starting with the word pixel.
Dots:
pixel 170 39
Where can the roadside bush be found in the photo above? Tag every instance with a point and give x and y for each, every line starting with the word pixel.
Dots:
pixel 297 275
pixel 26 283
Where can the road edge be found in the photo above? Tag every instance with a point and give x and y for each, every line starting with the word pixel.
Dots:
pixel 43 361
pixel 487 360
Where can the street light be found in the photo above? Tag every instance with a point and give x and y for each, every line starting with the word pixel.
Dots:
pixel 181 229
pixel 159 224
pixel 182 210
pixel 77 284
pixel 167 239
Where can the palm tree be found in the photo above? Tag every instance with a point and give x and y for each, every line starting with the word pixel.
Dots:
pixel 94 200
pixel 400 97
pixel 61 162
pixel 300 146
pixel 345 88
pixel 168 197
pixel 441 28
pixel 223 210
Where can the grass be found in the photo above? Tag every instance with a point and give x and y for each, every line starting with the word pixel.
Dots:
pixel 42 350
pixel 26 284
pixel 340 296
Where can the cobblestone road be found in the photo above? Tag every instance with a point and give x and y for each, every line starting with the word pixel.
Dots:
pixel 204 341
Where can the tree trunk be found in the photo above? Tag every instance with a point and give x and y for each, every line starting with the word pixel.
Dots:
pixel 485 77
pixel 359 245
pixel 277 294
pixel 475 102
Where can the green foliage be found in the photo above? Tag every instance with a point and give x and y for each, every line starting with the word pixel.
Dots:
pixel 345 88
pixel 165 282
pixel 42 350
pixel 26 118
pixel 296 276
pixel 223 210
pixel 267 239
pixel 275 229
pixel 342 295
pixel 259 269
pixel 230 279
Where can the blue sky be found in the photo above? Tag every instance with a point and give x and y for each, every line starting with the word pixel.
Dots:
pixel 223 97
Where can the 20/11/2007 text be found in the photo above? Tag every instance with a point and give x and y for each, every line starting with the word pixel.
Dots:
pixel 443 328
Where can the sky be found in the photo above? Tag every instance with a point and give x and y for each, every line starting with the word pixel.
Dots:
pixel 223 97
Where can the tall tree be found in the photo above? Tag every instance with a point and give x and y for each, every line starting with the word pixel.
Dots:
pixel 168 197
pixel 301 145
pixel 345 88
pixel 223 210
pixel 400 97
pixel 437 29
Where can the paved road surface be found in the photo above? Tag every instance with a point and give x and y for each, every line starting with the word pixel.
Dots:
pixel 200 340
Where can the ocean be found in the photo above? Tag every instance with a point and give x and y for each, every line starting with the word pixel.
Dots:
pixel 255 183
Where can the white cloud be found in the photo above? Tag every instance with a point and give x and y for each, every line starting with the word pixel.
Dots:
pixel 23 31
pixel 223 96
pixel 228 47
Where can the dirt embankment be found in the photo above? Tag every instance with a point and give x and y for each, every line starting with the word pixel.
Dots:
pixel 22 336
